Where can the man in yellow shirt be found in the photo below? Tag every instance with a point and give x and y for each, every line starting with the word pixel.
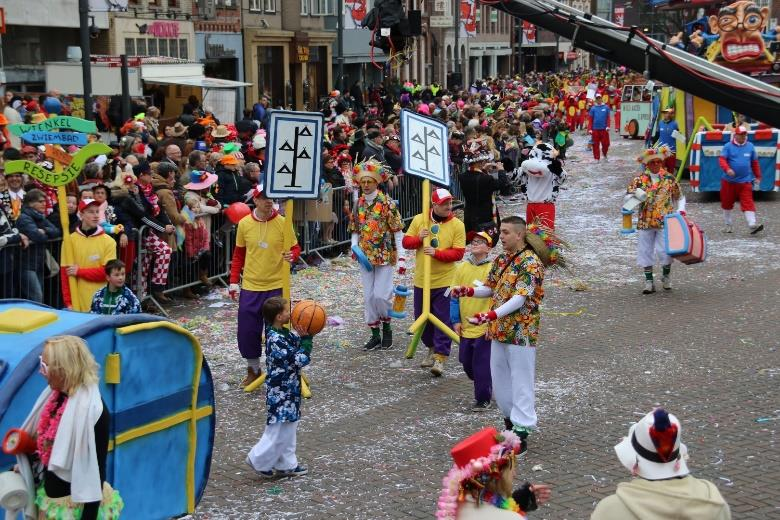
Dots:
pixel 448 244
pixel 474 349
pixel 84 257
pixel 263 245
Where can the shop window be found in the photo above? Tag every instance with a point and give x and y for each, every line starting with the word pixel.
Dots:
pixel 270 79
pixel 269 6
pixel 173 48
pixel 323 7
pixel 140 46
pixel 183 54
pixel 130 47
pixel 152 47
pixel 163 45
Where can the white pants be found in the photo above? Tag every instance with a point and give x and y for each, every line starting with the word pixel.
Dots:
pixel 513 370
pixel 650 242
pixel 377 292
pixel 276 448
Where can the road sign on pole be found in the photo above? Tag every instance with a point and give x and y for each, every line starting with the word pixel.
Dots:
pixel 294 158
pixel 425 150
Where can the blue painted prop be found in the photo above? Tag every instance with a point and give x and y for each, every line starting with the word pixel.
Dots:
pixel 362 258
pixel 157 368
pixel 66 138
pixel 710 174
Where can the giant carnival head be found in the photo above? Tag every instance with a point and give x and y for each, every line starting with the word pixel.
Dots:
pixel 741 44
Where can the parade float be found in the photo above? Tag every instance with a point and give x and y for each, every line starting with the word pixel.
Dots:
pixel 155 383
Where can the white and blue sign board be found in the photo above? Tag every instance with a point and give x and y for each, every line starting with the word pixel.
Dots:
pixel 294 155
pixel 66 138
pixel 424 147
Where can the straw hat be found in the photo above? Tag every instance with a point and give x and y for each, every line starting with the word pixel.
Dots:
pixel 220 131
pixel 651 154
pixel 546 244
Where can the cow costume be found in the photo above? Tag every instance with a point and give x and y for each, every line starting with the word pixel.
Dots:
pixel 539 179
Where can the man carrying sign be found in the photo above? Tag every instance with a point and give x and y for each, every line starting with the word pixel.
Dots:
pixel 263 244
pixel 448 244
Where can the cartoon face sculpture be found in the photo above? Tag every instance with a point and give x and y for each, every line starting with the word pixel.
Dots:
pixel 740 26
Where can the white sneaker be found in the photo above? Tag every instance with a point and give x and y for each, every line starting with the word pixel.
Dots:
pixel 649 287
pixel 728 228
pixel 428 361
pixel 666 283
pixel 606 159
pixel 438 368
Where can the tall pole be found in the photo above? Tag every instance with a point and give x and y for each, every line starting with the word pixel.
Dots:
pixel 340 45
pixel 457 38
pixel 125 88
pixel 86 71
pixel 557 52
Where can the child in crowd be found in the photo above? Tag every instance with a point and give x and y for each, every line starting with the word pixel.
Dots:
pixel 474 351
pixel 115 297
pixel 286 353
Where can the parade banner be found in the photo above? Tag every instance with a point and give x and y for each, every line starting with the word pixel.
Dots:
pixel 55 123
pixel 425 150
pixel 294 156
pixel 66 138
pixel 64 177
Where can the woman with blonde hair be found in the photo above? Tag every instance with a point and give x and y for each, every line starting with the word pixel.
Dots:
pixel 70 425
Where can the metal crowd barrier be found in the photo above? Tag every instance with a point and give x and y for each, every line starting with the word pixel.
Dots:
pixel 41 284
pixel 187 269
pixel 320 226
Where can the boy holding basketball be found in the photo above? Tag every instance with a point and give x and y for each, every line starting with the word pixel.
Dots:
pixel 286 354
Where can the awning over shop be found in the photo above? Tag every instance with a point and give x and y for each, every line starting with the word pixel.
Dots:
pixel 196 81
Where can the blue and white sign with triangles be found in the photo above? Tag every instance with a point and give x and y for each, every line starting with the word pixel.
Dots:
pixel 424 147
pixel 294 155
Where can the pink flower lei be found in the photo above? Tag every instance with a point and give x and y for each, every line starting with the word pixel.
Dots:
pixel 453 492
pixel 48 424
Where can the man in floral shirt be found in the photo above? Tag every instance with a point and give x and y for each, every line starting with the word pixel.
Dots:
pixel 660 192
pixel 515 286
pixel 376 229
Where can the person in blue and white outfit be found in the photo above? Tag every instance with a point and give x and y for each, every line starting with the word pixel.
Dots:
pixel 286 354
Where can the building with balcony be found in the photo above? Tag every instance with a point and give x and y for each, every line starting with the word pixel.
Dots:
pixel 287 51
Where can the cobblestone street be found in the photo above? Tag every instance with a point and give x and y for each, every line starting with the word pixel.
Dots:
pixel 377 432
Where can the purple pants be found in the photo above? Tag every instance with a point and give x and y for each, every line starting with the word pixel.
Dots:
pixel 440 307
pixel 474 355
pixel 250 321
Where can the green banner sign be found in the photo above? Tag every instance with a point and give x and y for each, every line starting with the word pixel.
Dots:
pixel 64 177
pixel 56 123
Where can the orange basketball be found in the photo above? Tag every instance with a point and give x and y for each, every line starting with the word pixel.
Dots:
pixel 308 316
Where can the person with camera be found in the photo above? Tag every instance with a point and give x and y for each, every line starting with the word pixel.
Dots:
pixel 478 184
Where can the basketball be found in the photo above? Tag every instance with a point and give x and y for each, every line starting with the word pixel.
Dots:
pixel 308 316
